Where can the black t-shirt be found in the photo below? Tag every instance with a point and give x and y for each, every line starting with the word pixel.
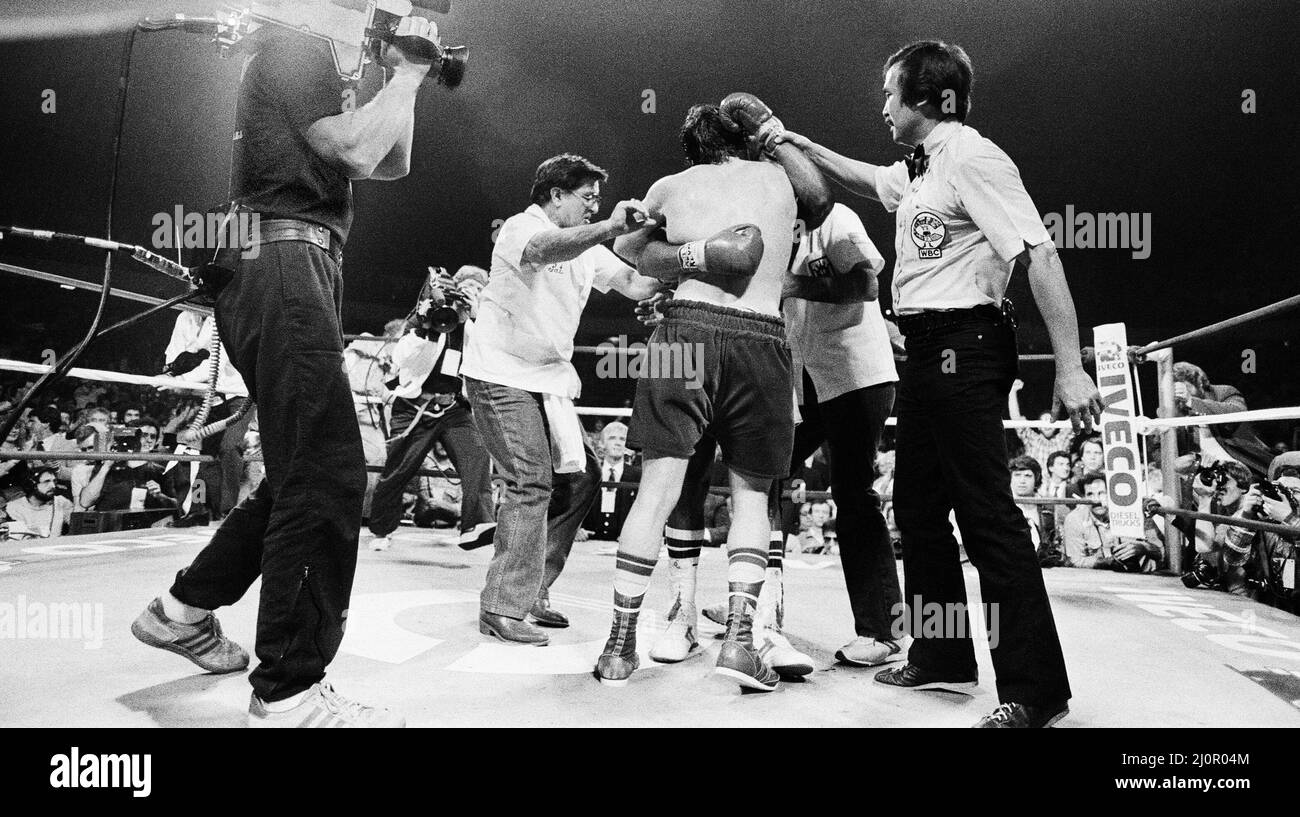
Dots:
pixel 288 85
pixel 122 480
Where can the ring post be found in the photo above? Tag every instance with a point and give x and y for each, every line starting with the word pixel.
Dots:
pixel 1164 360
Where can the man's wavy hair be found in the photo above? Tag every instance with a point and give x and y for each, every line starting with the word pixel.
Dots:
pixel 568 172
pixel 936 72
pixel 706 140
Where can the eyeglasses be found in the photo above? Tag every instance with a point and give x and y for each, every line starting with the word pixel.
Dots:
pixel 145 435
pixel 588 198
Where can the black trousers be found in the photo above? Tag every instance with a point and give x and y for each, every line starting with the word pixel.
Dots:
pixel 279 318
pixel 406 453
pixel 852 424
pixel 952 456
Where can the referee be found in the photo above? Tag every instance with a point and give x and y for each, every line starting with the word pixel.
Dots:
pixel 964 224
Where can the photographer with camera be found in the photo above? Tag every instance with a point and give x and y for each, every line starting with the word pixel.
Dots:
pixel 299 144
pixel 1261 564
pixel 1089 543
pixel 430 408
pixel 131 485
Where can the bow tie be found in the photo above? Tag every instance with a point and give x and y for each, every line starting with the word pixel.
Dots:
pixel 917 163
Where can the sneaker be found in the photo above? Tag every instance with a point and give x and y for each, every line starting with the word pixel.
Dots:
pixel 679 641
pixel 779 654
pixel 1022 716
pixel 381 543
pixel 202 643
pixel 323 708
pixel 478 536
pixel 865 651
pixel 613 670
pixel 717 614
pixel 910 676
pixel 742 664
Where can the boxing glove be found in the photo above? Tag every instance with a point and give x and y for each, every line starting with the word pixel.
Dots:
pixel 752 117
pixel 733 252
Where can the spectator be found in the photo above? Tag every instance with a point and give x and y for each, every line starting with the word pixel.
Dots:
pixel 131 485
pixel 1092 458
pixel 1261 564
pixel 1089 543
pixel 1038 443
pixel 605 519
pixel 884 486
pixel 88 439
pixel 1194 396
pixel 1219 495
pixel 1026 479
pixel 13 473
pixel 814 518
pixel 1056 475
pixel 39 512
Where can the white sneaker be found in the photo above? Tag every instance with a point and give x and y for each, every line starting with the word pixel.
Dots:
pixel 868 652
pixel 323 708
pixel 679 641
pixel 779 654
pixel 381 543
pixel 717 614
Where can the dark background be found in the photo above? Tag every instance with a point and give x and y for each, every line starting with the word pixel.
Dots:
pixel 1110 106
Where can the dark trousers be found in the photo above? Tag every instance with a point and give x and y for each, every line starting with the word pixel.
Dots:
pixel 851 425
pixel 952 456
pixel 540 510
pixel 407 449
pixel 279 318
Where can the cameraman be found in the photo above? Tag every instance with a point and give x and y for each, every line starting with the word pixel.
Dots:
pixel 131 485
pixel 298 145
pixel 1261 564
pixel 429 408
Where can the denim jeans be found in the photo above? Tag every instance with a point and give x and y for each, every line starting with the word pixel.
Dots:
pixel 406 453
pixel 279 319
pixel 852 424
pixel 952 456
pixel 540 510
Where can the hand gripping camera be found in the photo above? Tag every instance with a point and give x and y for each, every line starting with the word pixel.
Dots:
pixel 353 28
pixel 443 305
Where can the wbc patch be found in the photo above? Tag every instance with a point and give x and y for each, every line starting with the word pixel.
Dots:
pixel 928 232
pixel 820 267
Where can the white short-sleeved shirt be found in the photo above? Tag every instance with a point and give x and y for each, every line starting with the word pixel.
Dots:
pixel 528 314
pixel 960 225
pixel 843 347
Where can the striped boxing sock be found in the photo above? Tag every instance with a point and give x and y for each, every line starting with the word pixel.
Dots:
pixel 771 601
pixel 683 566
pixel 745 568
pixel 631 578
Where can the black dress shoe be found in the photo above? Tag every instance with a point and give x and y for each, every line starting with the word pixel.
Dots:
pixel 910 676
pixel 1022 716
pixel 512 630
pixel 546 617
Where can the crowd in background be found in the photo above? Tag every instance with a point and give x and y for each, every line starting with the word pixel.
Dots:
pixel 1220 469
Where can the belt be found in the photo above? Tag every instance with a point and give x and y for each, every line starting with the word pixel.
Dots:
pixel 923 323
pixel 274 230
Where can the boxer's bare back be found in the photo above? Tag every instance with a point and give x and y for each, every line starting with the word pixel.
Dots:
pixel 704 199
